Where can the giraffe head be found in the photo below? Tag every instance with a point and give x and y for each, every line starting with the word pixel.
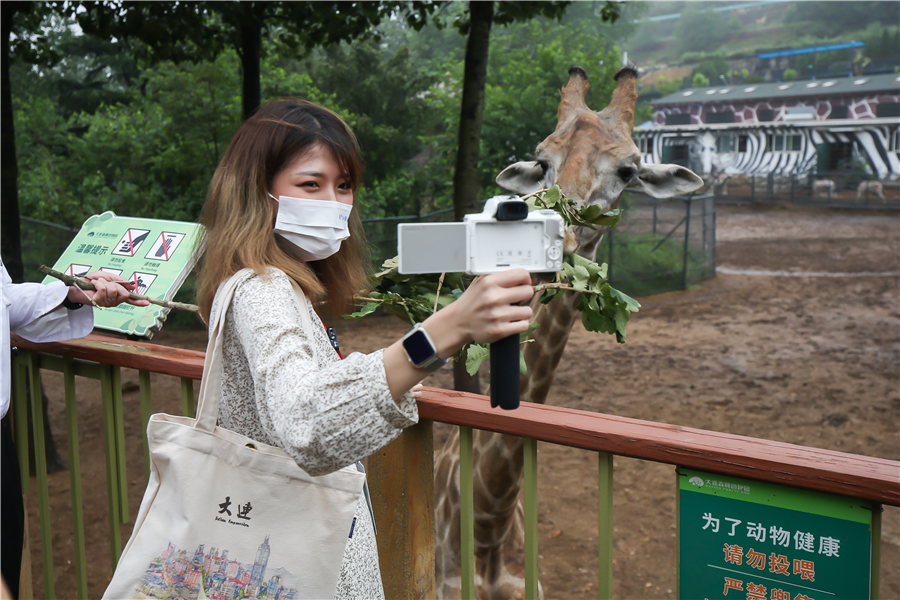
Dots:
pixel 591 155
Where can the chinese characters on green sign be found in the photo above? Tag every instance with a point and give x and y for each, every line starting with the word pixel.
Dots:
pixel 156 255
pixel 744 539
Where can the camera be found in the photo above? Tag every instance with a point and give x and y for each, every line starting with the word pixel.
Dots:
pixel 505 235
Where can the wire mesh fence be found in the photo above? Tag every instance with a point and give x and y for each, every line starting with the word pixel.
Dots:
pixel 659 245
pixel 841 189
pixel 42 244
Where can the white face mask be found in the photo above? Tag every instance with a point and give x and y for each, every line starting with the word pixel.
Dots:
pixel 315 227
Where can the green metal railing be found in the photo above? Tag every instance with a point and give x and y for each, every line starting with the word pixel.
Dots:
pixel 26 368
pixel 880 480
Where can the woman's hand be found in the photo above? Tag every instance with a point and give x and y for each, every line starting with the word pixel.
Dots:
pixel 485 313
pixel 490 310
pixel 111 290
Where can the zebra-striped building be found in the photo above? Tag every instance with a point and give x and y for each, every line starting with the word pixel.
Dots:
pixel 795 127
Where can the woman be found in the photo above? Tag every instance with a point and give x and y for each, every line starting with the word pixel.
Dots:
pixel 281 203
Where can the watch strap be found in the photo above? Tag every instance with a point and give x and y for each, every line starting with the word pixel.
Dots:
pixel 71 305
pixel 433 362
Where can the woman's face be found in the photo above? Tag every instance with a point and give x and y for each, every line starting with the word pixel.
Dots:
pixel 315 176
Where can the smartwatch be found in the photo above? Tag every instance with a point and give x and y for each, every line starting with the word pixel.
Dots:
pixel 420 349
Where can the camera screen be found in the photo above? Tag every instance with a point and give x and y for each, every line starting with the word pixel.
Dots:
pixel 432 247
pixel 508 245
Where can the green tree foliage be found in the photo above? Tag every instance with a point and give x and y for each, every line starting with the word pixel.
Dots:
pixel 830 18
pixel 151 156
pixel 712 69
pixel 701 29
pixel 699 80
pixel 386 96
pixel 179 31
pixel 666 86
pixel 151 145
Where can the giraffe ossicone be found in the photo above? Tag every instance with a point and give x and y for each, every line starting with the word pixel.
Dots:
pixel 592 158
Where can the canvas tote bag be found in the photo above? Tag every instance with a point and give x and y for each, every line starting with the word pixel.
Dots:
pixel 229 514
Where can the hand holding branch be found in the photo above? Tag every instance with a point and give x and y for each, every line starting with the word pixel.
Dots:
pixel 105 289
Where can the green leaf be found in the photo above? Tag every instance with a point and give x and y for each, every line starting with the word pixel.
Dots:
pixel 552 196
pixel 631 304
pixel 531 327
pixel 582 274
pixel 548 296
pixel 475 355
pixel 365 310
pixel 523 368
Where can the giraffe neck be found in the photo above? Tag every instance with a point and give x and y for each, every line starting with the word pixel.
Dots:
pixel 498 458
pixel 556 319
pixel 499 466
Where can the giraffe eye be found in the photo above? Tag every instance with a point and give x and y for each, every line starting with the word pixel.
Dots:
pixel 626 174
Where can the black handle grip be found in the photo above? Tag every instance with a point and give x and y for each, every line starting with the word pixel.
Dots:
pixel 505 373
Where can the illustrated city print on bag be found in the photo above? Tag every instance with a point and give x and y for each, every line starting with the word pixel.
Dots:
pixel 178 575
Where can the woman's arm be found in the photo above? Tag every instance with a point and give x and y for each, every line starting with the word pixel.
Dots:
pixel 327 416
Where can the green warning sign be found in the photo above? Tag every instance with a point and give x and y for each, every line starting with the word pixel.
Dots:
pixel 745 539
pixel 156 255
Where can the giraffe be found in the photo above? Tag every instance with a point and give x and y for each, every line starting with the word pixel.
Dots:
pixel 592 158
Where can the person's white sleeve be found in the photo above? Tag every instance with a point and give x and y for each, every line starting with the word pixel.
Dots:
pixel 36 313
pixel 325 416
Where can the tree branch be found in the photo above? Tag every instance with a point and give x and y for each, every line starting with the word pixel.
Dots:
pixel 86 285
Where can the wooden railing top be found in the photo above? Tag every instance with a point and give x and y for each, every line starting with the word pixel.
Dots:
pixel 125 353
pixel 864 477
pixel 853 475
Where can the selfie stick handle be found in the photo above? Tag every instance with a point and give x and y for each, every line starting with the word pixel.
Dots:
pixel 505 373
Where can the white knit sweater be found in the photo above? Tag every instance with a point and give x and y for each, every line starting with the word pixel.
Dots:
pixel 324 412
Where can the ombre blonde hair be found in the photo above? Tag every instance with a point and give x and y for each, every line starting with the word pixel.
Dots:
pixel 239 215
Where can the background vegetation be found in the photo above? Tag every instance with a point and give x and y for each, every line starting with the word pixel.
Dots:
pixel 102 130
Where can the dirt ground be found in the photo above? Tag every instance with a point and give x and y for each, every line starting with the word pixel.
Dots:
pixel 799 342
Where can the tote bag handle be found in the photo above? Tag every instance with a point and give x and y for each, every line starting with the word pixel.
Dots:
pixel 211 382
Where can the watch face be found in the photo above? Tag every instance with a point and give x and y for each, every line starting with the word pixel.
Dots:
pixel 418 347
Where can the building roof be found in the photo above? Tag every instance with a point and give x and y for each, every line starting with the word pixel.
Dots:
pixel 867 84
pixel 829 124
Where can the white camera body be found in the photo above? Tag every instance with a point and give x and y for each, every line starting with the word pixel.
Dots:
pixel 504 236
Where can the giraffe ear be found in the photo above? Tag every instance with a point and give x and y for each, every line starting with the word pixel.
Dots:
pixel 526 177
pixel 664 181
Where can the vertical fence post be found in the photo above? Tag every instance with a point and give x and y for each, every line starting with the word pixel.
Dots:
pixel 530 507
pixel 752 188
pixel 120 441
pixel 20 416
pixel 687 233
pixel 40 466
pixel 605 527
pixel 112 470
pixel 75 479
pixel 466 514
pixel 793 177
pixel 655 206
pixel 187 397
pixel 146 411
pixel 401 483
